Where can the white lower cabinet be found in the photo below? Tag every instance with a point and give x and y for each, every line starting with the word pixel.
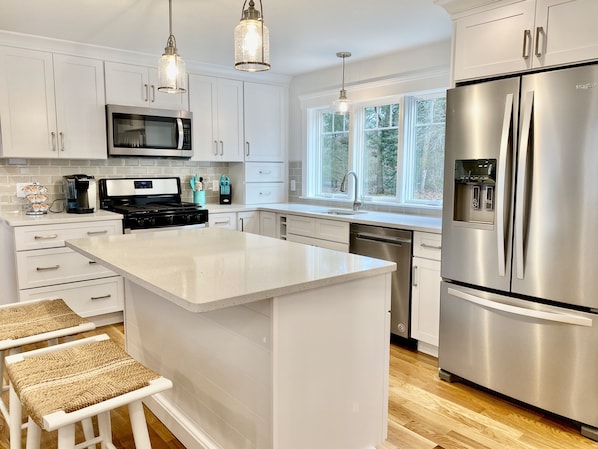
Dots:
pixel 226 220
pixel 268 226
pixel 247 221
pixel 425 291
pixel 331 234
pixel 46 268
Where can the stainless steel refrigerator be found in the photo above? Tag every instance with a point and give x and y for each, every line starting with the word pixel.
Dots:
pixel 519 296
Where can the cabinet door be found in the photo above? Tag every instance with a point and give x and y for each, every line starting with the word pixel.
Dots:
pixel 268 224
pixel 230 120
pixel 80 107
pixel 249 222
pixel 425 297
pixel 568 31
pixel 202 103
pixel 494 41
pixel 127 84
pixel 264 109
pixel 27 106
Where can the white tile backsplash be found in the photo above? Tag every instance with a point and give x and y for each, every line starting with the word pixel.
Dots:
pixel 50 172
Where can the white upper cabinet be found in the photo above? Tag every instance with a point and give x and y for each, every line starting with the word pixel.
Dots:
pixel 524 35
pixel 217 107
pixel 566 31
pixel 51 105
pixel 137 85
pixel 264 119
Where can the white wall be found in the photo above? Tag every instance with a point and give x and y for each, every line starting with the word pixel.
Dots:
pixel 421 68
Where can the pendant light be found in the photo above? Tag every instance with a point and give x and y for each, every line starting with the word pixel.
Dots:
pixel 252 40
pixel 172 77
pixel 341 106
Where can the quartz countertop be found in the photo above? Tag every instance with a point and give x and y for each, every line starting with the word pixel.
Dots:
pixel 388 219
pixel 213 268
pixel 21 219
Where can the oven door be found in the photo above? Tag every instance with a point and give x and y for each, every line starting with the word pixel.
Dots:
pixel 164 228
pixel 134 131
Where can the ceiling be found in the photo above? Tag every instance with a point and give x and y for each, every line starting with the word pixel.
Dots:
pixel 304 35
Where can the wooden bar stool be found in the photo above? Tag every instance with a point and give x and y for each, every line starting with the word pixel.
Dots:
pixel 34 322
pixel 61 385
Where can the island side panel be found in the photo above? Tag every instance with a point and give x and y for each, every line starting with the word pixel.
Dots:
pixel 331 363
pixel 220 363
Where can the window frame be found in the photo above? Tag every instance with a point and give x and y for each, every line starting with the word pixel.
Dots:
pixel 356 150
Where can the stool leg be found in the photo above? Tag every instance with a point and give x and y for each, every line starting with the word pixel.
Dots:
pixel 66 437
pixel 139 426
pixel 105 428
pixel 34 434
pixel 88 431
pixel 15 419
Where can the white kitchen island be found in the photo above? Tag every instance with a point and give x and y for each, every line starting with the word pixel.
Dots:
pixel 270 344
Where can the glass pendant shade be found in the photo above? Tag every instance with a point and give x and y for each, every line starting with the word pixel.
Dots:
pixel 172 76
pixel 341 105
pixel 252 41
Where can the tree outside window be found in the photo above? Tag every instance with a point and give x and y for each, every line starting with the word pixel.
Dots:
pixel 334 150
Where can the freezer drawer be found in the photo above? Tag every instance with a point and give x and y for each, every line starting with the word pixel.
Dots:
pixel 542 355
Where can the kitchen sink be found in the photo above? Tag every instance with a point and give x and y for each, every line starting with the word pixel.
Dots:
pixel 345 212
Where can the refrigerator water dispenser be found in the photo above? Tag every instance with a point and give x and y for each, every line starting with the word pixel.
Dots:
pixel 475 181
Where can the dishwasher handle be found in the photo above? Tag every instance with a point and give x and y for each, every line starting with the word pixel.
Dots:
pixel 382 239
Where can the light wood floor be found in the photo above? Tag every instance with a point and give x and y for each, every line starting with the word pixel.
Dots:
pixel 424 413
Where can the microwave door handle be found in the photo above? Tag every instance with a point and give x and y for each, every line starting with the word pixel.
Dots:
pixel 179 122
pixel 522 182
pixel 501 184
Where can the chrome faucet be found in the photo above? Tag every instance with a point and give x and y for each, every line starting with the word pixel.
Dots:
pixel 343 188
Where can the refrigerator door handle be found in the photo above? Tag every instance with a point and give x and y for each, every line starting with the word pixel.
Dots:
pixel 521 183
pixel 538 314
pixel 501 184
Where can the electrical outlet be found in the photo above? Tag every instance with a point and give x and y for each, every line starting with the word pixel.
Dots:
pixel 20 185
pixel 215 185
pixel 293 186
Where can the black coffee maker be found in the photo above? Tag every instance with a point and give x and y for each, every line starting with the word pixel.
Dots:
pixel 80 191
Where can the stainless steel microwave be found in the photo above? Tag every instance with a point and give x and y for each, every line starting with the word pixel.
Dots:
pixel 138 131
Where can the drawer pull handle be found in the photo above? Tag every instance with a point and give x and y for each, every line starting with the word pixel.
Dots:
pixel 265 193
pixel 55 267
pixel 105 231
pixel 91 262
pixel 425 245
pixel 222 221
pixel 265 172
pixel 95 298
pixel 46 237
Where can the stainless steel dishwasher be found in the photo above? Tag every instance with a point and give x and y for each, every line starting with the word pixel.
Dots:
pixel 393 245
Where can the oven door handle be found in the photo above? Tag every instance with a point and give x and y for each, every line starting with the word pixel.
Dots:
pixel 179 122
pixel 564 318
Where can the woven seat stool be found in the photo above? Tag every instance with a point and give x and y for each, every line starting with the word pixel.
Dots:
pixel 60 385
pixel 32 322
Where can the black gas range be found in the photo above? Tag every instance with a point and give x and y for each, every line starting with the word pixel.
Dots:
pixel 150 203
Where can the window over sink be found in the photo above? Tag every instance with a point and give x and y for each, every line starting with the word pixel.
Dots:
pixel 394 144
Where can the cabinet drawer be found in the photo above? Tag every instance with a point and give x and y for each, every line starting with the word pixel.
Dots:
pixel 87 298
pixel 264 172
pixel 227 220
pixel 427 245
pixel 336 231
pixel 298 225
pixel 43 267
pixel 265 192
pixel 52 236
pixel 343 247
